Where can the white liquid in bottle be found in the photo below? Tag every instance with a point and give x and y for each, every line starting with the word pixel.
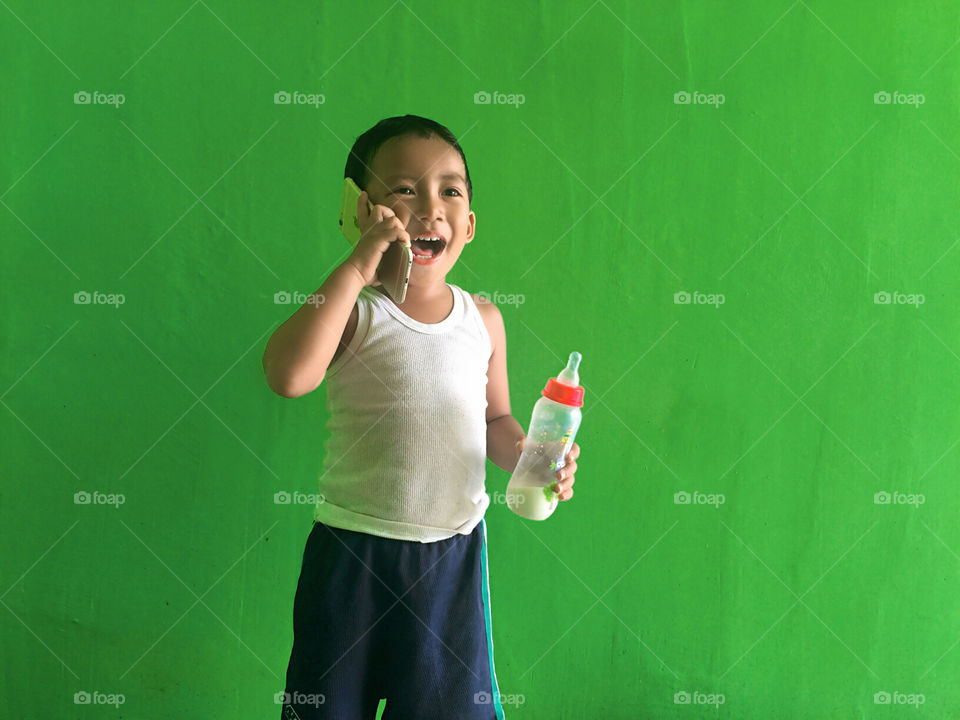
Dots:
pixel 530 501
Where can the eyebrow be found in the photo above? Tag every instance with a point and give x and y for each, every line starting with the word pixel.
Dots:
pixel 445 176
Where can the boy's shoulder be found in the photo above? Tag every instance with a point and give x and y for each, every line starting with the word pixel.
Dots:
pixel 492 319
pixel 485 306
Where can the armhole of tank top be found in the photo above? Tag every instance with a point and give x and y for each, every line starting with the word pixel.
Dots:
pixel 359 335
pixel 478 320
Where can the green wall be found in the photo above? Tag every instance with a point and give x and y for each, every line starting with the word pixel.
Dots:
pixel 797 398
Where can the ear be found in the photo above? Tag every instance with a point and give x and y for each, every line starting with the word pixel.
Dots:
pixel 471 225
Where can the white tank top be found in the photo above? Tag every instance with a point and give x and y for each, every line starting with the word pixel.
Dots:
pixel 406 455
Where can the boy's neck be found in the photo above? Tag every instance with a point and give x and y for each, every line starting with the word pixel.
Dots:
pixel 420 295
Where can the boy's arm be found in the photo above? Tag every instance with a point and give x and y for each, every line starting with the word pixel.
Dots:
pixel 503 431
pixel 300 350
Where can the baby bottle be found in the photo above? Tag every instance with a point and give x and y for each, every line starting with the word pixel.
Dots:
pixel 556 417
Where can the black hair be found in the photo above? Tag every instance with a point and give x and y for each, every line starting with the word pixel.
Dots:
pixel 366 146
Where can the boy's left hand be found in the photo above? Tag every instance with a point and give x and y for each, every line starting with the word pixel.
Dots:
pixel 564 486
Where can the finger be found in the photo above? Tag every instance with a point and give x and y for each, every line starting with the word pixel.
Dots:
pixel 567 470
pixel 401 233
pixel 574 452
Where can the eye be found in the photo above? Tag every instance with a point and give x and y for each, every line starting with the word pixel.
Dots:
pixel 398 190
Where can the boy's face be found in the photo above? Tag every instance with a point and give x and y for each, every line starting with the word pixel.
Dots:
pixel 423 181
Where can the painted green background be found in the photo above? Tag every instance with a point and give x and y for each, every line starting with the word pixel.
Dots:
pixel 598 199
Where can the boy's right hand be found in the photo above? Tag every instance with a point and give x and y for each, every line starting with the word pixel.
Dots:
pixel 379 227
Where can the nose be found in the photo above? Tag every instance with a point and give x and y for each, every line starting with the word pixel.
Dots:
pixel 428 209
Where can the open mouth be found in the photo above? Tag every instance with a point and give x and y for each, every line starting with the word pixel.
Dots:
pixel 427 249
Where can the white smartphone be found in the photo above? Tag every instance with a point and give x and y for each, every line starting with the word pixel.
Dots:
pixel 394 269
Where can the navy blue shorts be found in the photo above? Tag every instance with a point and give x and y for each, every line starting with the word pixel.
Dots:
pixel 380 618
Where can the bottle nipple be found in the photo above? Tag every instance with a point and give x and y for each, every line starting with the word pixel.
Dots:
pixel 569 376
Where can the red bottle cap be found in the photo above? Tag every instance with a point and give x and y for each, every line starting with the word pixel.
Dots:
pixel 563 393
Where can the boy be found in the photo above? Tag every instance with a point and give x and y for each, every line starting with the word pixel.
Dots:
pixel 393 600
